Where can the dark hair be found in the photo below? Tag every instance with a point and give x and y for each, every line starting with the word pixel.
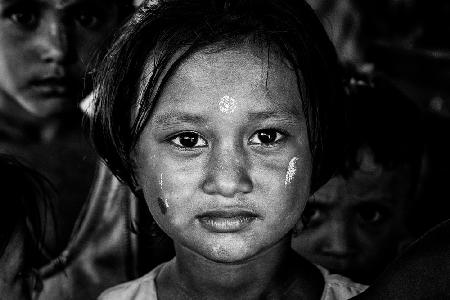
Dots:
pixel 126 7
pixel 385 121
pixel 169 31
pixel 25 199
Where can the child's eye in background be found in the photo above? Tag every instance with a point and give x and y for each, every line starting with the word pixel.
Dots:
pixel 25 17
pixel 266 137
pixel 312 216
pixel 371 214
pixel 87 19
pixel 188 140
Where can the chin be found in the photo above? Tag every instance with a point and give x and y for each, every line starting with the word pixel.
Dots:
pixel 229 253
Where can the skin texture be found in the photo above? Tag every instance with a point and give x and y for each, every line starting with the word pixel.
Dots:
pixel 45 48
pixel 235 162
pixel 355 226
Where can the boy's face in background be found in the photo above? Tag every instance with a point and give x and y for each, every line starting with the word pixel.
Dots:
pixel 355 226
pixel 224 161
pixel 45 48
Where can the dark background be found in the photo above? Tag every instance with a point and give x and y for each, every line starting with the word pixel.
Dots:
pixel 407 42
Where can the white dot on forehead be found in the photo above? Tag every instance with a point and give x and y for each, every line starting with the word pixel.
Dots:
pixel 227 104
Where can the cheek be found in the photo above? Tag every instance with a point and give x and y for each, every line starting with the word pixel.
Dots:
pixel 167 187
pixel 284 186
pixel 308 241
pixel 297 179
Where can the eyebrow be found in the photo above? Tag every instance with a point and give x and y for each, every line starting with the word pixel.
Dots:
pixel 174 118
pixel 66 4
pixel 288 115
pixel 179 118
pixel 324 206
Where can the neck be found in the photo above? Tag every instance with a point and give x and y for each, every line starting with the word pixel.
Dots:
pixel 275 273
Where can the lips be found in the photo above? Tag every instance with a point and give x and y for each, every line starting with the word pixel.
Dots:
pixel 227 221
pixel 52 86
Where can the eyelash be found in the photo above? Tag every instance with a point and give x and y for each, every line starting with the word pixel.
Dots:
pixel 196 138
pixel 280 137
pixel 173 140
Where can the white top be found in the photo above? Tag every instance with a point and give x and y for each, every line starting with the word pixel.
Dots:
pixel 337 287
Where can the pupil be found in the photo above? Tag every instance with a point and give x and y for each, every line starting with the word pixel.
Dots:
pixel 189 140
pixel 369 215
pixel 267 137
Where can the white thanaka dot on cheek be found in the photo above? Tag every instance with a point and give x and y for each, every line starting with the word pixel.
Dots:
pixel 292 169
pixel 163 203
pixel 227 104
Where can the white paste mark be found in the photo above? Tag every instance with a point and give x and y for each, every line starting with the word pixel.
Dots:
pixel 292 169
pixel 227 104
pixel 166 202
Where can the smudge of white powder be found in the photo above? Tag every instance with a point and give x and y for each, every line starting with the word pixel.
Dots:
pixel 292 169
pixel 164 200
pixel 227 105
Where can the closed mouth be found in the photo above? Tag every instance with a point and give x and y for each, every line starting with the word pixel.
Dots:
pixel 51 86
pixel 226 221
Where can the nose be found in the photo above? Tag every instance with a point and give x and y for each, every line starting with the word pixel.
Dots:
pixel 339 241
pixel 53 41
pixel 227 173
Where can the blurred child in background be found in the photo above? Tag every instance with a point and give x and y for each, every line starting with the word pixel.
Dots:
pixel 25 212
pixel 46 47
pixel 358 221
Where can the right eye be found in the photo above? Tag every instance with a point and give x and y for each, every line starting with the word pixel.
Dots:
pixel 189 140
pixel 311 216
pixel 24 17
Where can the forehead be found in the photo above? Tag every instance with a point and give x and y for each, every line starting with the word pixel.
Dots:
pixel 390 187
pixel 245 71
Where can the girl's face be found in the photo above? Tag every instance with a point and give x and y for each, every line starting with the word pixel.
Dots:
pixel 224 162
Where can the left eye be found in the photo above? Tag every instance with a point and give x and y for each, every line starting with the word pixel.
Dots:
pixel 189 140
pixel 371 214
pixel 87 19
pixel 266 137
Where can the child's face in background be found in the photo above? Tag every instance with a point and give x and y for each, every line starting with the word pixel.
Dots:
pixel 45 48
pixel 224 161
pixel 355 226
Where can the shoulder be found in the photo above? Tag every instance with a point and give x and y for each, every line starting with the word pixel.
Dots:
pixel 140 288
pixel 338 287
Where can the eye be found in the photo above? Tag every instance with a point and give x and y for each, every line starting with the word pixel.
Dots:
pixel 188 140
pixel 87 19
pixel 24 17
pixel 266 137
pixel 312 216
pixel 371 214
